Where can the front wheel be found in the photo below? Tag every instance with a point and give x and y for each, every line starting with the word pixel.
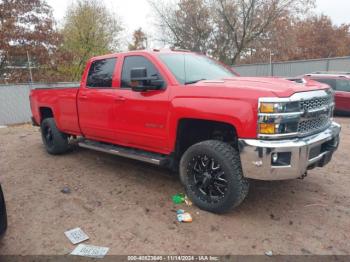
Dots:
pixel 212 175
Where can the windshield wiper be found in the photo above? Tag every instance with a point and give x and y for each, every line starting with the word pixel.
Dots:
pixel 194 81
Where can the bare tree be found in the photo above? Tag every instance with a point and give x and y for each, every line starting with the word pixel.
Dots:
pixel 224 29
pixel 185 25
pixel 244 21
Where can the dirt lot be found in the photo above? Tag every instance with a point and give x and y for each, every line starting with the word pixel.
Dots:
pixel 126 205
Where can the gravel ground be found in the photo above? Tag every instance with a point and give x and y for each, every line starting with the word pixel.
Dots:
pixel 126 206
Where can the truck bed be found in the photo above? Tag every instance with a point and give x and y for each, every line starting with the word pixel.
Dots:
pixel 62 101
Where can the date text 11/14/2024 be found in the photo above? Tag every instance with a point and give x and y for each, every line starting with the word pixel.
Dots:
pixel 173 258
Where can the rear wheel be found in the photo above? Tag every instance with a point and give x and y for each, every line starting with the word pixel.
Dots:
pixel 212 175
pixel 54 140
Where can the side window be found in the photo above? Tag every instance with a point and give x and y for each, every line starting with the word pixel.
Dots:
pixel 137 62
pixel 343 85
pixel 101 73
pixel 330 82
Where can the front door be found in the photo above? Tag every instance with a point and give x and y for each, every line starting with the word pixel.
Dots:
pixel 142 116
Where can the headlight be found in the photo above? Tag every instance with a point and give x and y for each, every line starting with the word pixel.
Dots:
pixel 278 118
pixel 267 107
pixel 281 107
pixel 271 107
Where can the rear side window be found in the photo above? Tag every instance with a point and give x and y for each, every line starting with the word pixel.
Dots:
pixel 137 62
pixel 101 73
pixel 343 85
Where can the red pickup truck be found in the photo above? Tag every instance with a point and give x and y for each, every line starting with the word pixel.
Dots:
pixel 190 113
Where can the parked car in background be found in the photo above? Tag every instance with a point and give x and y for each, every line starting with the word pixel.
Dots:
pixel 3 214
pixel 340 82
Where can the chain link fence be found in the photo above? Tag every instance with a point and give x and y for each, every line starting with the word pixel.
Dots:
pixel 295 68
pixel 14 101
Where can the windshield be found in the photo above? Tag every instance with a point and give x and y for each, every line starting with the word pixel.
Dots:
pixel 191 68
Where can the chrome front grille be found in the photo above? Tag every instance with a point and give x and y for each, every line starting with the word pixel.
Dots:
pixel 319 119
pixel 313 125
pixel 315 103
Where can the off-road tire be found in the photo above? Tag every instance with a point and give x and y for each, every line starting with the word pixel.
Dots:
pixel 229 160
pixel 3 214
pixel 56 142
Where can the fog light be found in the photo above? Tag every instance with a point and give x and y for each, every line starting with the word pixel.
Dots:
pixel 281 159
pixel 274 157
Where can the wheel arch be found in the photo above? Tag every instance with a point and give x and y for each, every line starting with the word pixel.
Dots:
pixel 193 130
pixel 45 112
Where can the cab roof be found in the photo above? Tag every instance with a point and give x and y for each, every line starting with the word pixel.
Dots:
pixel 149 51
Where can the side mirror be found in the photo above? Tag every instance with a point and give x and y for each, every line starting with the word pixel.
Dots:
pixel 141 83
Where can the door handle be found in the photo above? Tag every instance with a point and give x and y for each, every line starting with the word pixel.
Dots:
pixel 120 99
pixel 83 97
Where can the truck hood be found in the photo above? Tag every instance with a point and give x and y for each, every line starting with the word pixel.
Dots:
pixel 278 87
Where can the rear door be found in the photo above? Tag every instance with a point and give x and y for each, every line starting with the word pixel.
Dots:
pixel 96 101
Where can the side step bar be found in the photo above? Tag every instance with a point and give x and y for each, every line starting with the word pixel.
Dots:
pixel 144 156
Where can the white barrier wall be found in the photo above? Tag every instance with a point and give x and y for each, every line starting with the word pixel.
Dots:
pixel 14 102
pixel 295 68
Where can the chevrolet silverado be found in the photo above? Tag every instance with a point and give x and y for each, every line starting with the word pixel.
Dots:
pixel 190 113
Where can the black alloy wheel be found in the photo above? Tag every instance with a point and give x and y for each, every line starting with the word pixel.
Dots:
pixel 207 178
pixel 212 175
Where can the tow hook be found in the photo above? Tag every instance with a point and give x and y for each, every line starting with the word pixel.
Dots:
pixel 303 176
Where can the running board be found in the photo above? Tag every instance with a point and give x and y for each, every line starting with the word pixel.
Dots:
pixel 144 156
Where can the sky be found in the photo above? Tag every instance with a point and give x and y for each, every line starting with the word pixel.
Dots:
pixel 133 13
pixel 137 13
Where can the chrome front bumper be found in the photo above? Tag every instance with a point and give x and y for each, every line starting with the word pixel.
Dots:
pixel 297 155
